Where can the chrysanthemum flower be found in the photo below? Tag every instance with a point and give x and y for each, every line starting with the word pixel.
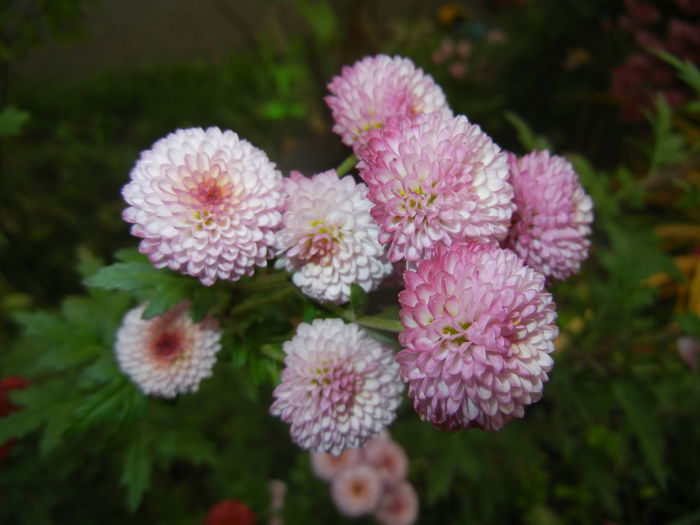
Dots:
pixel 376 88
pixel 206 203
pixel 357 490
pixel 340 387
pixel 399 506
pixel 327 466
pixel 388 458
pixel 329 240
pixel 478 330
pixel 553 215
pixel 169 354
pixel 435 180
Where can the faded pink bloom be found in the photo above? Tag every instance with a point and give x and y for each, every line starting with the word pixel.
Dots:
pixel 168 354
pixel 340 386
pixel 464 48
pixel 206 203
pixel 435 180
pixel 478 330
pixel 553 215
pixel 376 88
pixel 388 458
pixel 399 506
pixel 327 466
pixel 356 491
pixel 329 240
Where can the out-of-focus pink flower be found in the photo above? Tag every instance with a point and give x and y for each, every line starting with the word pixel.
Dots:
pixel 329 240
pixel 399 506
pixel 340 387
pixel 375 88
pixel 357 490
pixel 388 458
pixel 169 354
pixel 464 49
pixel 206 203
pixel 7 384
pixel 689 349
pixel 435 180
pixel 327 466
pixel 457 70
pixel 478 330
pixel 553 215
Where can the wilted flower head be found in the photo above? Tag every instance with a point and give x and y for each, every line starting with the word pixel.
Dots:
pixel 435 180
pixel 329 240
pixel 479 328
pixel 376 88
pixel 169 354
pixel 399 506
pixel 206 203
pixel 553 215
pixel 357 490
pixel 340 387
pixel 327 466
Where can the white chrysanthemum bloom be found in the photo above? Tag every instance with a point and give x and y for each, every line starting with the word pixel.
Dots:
pixel 206 204
pixel 169 354
pixel 328 240
pixel 357 490
pixel 340 386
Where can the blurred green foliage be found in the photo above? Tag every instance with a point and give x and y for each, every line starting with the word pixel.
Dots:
pixel 613 440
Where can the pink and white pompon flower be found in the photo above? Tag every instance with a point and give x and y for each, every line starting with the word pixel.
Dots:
pixel 340 387
pixel 327 466
pixel 552 220
pixel 168 354
pixel 206 203
pixel 435 180
pixel 388 458
pixel 376 88
pixel 478 330
pixel 357 490
pixel 328 239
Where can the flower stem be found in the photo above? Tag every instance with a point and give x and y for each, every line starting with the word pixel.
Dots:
pixel 254 303
pixel 347 165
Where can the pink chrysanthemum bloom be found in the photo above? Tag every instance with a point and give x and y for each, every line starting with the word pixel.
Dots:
pixel 388 458
pixel 340 387
pixel 399 506
pixel 553 215
pixel 357 490
pixel 329 240
pixel 435 180
pixel 478 330
pixel 376 88
pixel 206 203
pixel 169 354
pixel 327 466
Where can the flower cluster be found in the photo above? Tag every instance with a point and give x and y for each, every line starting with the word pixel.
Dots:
pixel 339 388
pixel 169 354
pixel 478 230
pixel 370 480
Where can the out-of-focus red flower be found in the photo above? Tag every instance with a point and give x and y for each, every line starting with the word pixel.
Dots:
pixel 7 407
pixel 230 512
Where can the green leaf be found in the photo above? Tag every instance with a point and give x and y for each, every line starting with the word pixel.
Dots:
pixel 690 323
pixel 321 18
pixel 527 137
pixel 638 409
pixel 669 146
pixel 126 276
pixel 687 71
pixel 12 120
pixel 138 464
pixel 358 299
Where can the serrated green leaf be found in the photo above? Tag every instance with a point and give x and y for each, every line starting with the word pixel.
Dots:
pixel 165 298
pixel 644 425
pixel 687 71
pixel 105 404
pixel 127 276
pixel 138 463
pixel 358 299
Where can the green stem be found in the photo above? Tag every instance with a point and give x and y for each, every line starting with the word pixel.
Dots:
pixel 264 282
pixel 272 353
pixel 347 165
